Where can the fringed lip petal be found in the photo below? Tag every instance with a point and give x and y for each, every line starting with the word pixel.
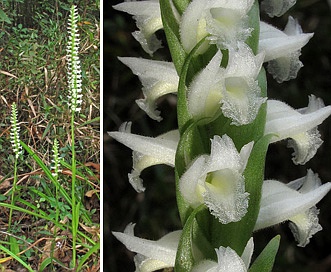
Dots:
pixel 159 78
pixel 234 91
pixel 148 18
pixel 153 255
pixel 280 202
pixel 300 125
pixel 227 260
pixel 217 180
pixel 283 48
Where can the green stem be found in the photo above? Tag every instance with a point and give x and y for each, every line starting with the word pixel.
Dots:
pixel 73 187
pixel 13 194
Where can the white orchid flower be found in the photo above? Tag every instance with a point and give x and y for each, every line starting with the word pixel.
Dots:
pixel 300 125
pixel 225 22
pixel 234 89
pixel 294 201
pixel 158 78
pixel 283 48
pixel 148 19
pixel 152 255
pixel 277 7
pixel 217 181
pixel 227 260
pixel 147 151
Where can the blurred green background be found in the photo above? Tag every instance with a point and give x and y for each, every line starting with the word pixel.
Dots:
pixel 155 210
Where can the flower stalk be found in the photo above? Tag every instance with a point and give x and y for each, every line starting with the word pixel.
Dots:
pixel 74 74
pixel 17 150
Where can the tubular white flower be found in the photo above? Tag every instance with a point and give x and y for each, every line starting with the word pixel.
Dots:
pixel 152 255
pixel 147 151
pixel 217 180
pixel 295 202
pixel 300 125
pixel 148 19
pixel 158 78
pixel 234 89
pixel 74 71
pixel 283 48
pixel 277 7
pixel 225 22
pixel 15 132
pixel 227 260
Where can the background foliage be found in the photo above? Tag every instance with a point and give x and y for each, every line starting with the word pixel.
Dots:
pixel 155 210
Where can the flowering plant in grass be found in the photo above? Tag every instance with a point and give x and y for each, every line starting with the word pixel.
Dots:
pixel 225 124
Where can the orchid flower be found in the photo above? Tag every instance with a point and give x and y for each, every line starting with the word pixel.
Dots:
pixel 147 151
pixel 294 201
pixel 148 18
pixel 300 125
pixel 225 22
pixel 234 89
pixel 217 181
pixel 277 7
pixel 158 78
pixel 282 49
pixel 228 260
pixel 152 255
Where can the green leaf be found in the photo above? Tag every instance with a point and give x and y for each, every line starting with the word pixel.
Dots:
pixel 254 22
pixel 4 17
pixel 265 261
pixel 14 247
pixel 185 253
pixel 181 5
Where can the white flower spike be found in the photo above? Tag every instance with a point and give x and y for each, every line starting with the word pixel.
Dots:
pixel 217 180
pixel 277 7
pixel 147 151
pixel 294 201
pixel 283 48
pixel 158 78
pixel 300 125
pixel 148 18
pixel 225 22
pixel 227 260
pixel 152 255
pixel 234 89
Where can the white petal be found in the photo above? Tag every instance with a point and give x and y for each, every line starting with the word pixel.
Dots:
pixel 148 17
pixel 227 22
pixel 193 25
pixel 223 155
pixel 204 94
pixel 282 49
pixel 300 125
pixel 305 225
pixel 277 7
pixel 158 78
pixel 275 43
pixel 248 252
pixel 163 250
pixel 280 203
pixel 229 261
pixel 225 195
pixel 190 182
pixel 148 151
pixel 242 99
